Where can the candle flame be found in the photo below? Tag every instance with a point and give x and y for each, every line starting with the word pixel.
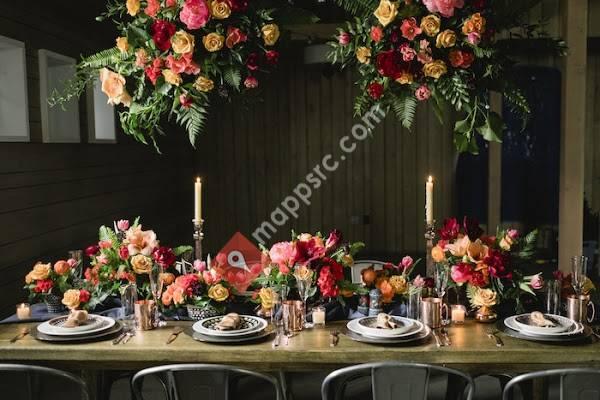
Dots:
pixel 430 180
pixel 198 179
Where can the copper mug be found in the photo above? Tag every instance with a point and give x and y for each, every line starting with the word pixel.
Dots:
pixel 144 314
pixel 431 311
pixel 577 308
pixel 293 315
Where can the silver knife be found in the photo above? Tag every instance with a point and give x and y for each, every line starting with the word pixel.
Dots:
pixel 118 339
pixel 128 336
pixel 499 342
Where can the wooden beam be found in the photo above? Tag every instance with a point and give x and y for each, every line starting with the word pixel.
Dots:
pixel 494 173
pixel 570 220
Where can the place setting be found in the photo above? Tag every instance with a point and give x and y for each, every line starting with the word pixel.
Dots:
pixel 78 326
pixel 231 329
pixel 385 329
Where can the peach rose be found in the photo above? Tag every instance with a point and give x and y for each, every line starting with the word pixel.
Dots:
pixel 218 292
pixel 71 299
pixel 386 12
pixel 220 9
pixel 113 85
pixel 62 267
pixel 133 7
pixel 437 253
pixel 139 241
pixel 167 298
pixel 141 264
pixel 172 77
pixel 182 42
pixel 178 295
pixel 363 55
pixel 213 42
pixel 40 271
pixel 141 58
pixel 430 24
pixel 270 34
pixel 445 39
pixel 475 24
pixel 203 84
pixel 122 44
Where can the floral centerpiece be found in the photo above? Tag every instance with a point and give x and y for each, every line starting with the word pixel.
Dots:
pixel 172 56
pixel 48 283
pixel 445 51
pixel 127 254
pixel 486 265
pixel 394 281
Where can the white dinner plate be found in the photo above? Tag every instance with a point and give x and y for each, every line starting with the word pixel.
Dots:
pixel 93 321
pixel 369 325
pixel 250 325
pixel 354 326
pixel 574 329
pixel 48 329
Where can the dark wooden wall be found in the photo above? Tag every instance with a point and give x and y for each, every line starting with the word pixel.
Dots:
pixel 53 197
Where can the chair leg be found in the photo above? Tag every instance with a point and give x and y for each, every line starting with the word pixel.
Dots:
pixel 284 388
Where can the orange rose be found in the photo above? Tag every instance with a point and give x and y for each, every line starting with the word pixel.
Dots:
pixel 61 267
pixel 166 277
pixel 387 291
pixel 167 297
pixel 474 24
pixel 437 253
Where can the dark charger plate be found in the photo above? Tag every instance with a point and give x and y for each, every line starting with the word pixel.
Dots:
pixel 414 340
pixel 259 336
pixel 564 339
pixel 108 334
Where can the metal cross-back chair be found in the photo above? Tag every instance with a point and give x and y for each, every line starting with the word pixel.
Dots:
pixel 32 382
pixel 209 381
pixel 396 380
pixel 573 383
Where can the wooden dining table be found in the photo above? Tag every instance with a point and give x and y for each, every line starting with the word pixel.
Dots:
pixel 471 351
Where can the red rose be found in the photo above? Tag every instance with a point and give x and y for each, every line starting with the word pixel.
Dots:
pixel 272 57
pixel 252 61
pixel 478 279
pixel 376 33
pixel 162 31
pixel 390 63
pixel 84 296
pixel 327 283
pixel 234 36
pixel 154 70
pixel 251 82
pixel 375 90
pixel 450 229
pixel 468 59
pixel 461 59
pixel 164 256
pixel 92 250
pixel 123 253
pixel 43 286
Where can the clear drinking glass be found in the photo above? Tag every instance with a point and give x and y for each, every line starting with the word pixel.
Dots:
pixel 552 297
pixel 578 273
pixel 414 303
pixel 441 280
pixel 304 288
pixel 277 314
pixel 156 287
pixel 128 300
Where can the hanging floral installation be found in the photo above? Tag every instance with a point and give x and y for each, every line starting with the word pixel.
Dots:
pixel 446 52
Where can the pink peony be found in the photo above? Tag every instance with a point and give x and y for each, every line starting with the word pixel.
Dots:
pixel 513 234
pixel 344 38
pixel 123 224
pixel 422 93
pixel 474 38
pixel 194 14
pixel 537 282
pixel 410 29
pixel 461 273
pixel 444 7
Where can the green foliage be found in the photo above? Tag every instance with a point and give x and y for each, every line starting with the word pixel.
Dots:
pixel 180 250
pixel 529 242
pixel 103 58
pixel 358 7
pixel 233 77
pixel 405 108
pixel 193 119
pixel 455 90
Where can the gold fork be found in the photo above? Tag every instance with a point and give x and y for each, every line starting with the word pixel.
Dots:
pixel 24 332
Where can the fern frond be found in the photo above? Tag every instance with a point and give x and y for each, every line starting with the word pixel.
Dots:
pixel 232 77
pixel 405 108
pixel 454 90
pixel 358 7
pixel 193 120
pixel 103 58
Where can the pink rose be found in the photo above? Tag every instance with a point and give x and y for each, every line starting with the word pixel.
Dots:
pixel 199 266
pixel 123 224
pixel 408 53
pixel 537 282
pixel 251 82
pixel 461 273
pixel 344 38
pixel 194 14
pixel 407 262
pixel 444 7
pixel 422 93
pixel 410 29
pixel 513 234
pixel 474 38
pixel 152 9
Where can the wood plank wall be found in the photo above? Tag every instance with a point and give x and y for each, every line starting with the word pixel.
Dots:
pixel 252 159
pixel 53 197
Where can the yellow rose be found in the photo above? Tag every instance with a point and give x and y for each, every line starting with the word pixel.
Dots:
pixel 399 283
pixel 303 273
pixel 171 77
pixel 484 298
pixel 446 39
pixel 213 42
pixel 430 24
pixel 122 44
pixel 386 12
pixel 405 78
pixel 435 69
pixel 266 296
pixel 133 7
pixel 40 272
pixel 218 292
pixel 219 9
pixel 363 55
pixel 203 84
pixel 141 264
pixel 113 85
pixel 182 42
pixel 270 34
pixel 71 298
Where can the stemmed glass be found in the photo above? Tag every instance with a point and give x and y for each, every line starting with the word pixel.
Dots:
pixel 441 285
pixel 304 289
pixel 578 273
pixel 156 287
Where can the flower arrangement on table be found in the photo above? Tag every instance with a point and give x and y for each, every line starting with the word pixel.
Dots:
pixel 412 51
pixel 173 55
pixel 127 254
pixel 302 260
pixel 486 265
pixel 48 283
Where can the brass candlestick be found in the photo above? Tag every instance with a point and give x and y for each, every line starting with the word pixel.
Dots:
pixel 429 237
pixel 198 236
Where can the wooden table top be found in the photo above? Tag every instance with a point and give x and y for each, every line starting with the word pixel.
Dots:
pixel 471 350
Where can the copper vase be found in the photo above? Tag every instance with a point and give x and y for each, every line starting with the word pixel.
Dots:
pixel 486 314
pixel 145 311
pixel 293 315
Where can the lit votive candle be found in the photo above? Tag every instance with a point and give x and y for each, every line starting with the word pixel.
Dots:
pixel 318 316
pixel 458 314
pixel 23 311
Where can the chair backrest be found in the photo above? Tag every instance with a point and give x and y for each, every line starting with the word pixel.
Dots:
pixel 573 383
pixel 31 382
pixel 359 265
pixel 406 381
pixel 201 381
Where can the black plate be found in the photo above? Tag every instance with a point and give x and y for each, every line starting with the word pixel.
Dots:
pixel 260 336
pixel 566 339
pixel 416 340
pixel 108 334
